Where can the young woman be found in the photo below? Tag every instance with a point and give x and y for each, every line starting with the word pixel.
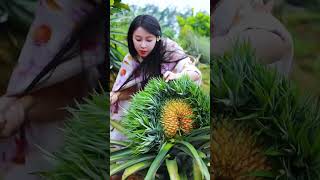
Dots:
pixel 150 55
pixel 251 21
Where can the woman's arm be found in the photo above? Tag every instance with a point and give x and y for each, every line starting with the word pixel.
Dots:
pixel 184 67
pixel 268 46
pixel 46 104
pixel 127 93
pixel 123 94
pixel 194 75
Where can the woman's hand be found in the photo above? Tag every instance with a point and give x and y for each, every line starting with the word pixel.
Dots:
pixel 12 114
pixel 114 96
pixel 13 118
pixel 5 102
pixel 171 76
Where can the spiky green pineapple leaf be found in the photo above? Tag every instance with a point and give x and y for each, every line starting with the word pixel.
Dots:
pixel 144 129
pixel 85 154
pixel 142 122
pixel 285 120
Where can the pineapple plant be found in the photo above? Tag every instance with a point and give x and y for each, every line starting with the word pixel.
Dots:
pixel 167 126
pixel 283 121
pixel 85 154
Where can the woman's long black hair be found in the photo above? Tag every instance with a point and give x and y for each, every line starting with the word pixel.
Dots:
pixel 151 65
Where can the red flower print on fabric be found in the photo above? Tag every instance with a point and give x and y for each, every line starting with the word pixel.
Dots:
pixel 123 72
pixel 41 34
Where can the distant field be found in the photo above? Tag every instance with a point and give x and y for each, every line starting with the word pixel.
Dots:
pixel 304 27
pixel 205 70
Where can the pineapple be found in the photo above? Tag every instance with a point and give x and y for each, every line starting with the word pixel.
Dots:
pixel 285 121
pixel 165 110
pixel 234 153
pixel 176 115
pixel 165 122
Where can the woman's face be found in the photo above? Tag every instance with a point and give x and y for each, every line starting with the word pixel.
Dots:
pixel 143 41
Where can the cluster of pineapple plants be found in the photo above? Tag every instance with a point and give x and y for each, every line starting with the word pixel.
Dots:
pixel 167 126
pixel 263 127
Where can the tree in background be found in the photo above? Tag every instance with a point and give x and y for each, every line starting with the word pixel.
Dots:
pixel 198 23
pixel 166 18
pixel 118 19
pixel 194 35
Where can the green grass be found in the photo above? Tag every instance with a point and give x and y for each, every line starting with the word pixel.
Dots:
pixel 205 70
pixel 301 18
pixel 305 29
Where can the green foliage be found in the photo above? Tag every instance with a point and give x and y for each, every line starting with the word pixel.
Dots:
pixel 85 154
pixel 118 33
pixel 286 122
pixel 301 18
pixel 196 45
pixel 304 26
pixel 310 4
pixel 194 35
pixel 117 6
pixel 168 32
pixel 118 44
pixel 147 151
pixel 205 70
pixel 143 119
pixel 18 14
pixel 166 18
pixel 200 24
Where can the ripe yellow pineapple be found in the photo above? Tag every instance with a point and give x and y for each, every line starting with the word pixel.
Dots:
pixel 234 153
pixel 176 115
